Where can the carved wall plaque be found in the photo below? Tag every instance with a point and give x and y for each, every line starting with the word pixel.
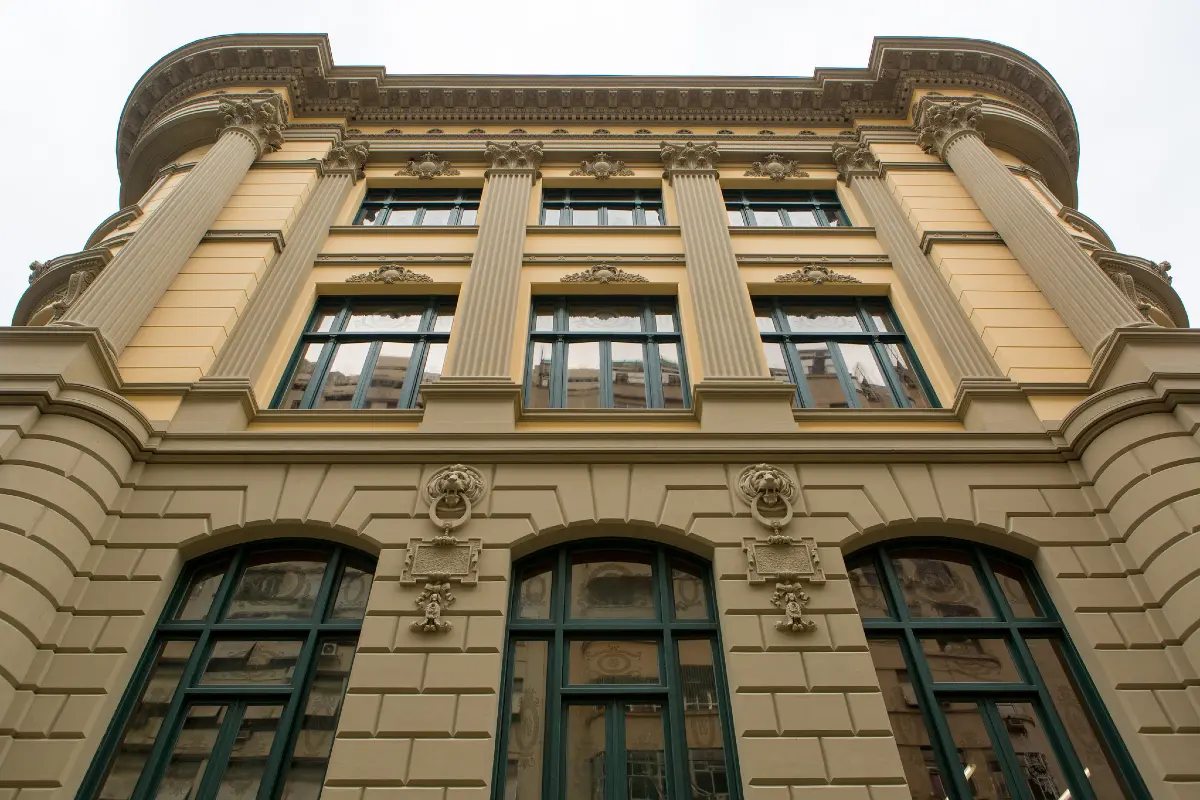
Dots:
pixel 446 559
pixel 782 557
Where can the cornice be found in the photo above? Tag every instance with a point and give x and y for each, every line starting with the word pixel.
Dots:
pixel 275 238
pixel 118 220
pixel 930 238
pixel 1085 224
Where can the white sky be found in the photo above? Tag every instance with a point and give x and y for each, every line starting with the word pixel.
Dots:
pixel 1124 67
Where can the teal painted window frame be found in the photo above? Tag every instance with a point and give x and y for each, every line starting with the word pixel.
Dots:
pixel 560 628
pixel 202 632
pixel 826 209
pixel 777 306
pixel 900 625
pixel 639 201
pixel 378 205
pixel 337 335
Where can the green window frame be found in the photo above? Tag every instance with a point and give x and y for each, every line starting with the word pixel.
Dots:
pixel 410 207
pixel 243 659
pixel 992 676
pixel 621 325
pixel 353 347
pixel 603 207
pixel 675 619
pixel 842 352
pixel 756 208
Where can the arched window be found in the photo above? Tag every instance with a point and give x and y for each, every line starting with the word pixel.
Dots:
pixel 986 695
pixel 239 691
pixel 616 687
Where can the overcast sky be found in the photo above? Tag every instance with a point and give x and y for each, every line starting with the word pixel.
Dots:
pixel 1125 68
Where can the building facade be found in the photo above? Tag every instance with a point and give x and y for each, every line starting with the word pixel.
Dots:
pixel 465 437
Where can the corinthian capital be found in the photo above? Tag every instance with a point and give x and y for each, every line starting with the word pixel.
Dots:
pixel 261 120
pixel 941 121
pixel 689 156
pixel 855 161
pixel 347 158
pixel 514 155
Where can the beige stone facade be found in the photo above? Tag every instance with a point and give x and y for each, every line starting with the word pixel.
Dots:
pixel 138 433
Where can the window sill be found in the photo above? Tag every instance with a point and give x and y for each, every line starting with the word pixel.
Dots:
pixel 316 415
pixel 579 230
pixel 378 230
pixel 874 415
pixel 775 231
pixel 619 415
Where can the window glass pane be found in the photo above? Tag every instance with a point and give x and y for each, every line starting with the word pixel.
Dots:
pixel 1016 589
pixel 614 585
pixel 606 318
pixel 765 319
pixel 835 217
pixel 664 317
pixel 437 216
pixel 687 588
pixel 189 756
pixel 318 723
pixel 470 216
pixel 248 758
pixel 1095 757
pixel 533 600
pixel 552 216
pixel 345 370
pixel 391 318
pixel 766 218
pixel 620 216
pixel 869 593
pixel 1040 770
pixel 583 375
pixel 387 379
pixel 251 661
pixel 702 724
pixel 324 319
pixel 402 216
pixel 672 375
pixel 302 375
pixel 869 385
pixel 202 587
pixel 804 218
pixel 822 319
pixel 776 363
pixel 586 736
pixel 370 216
pixel 908 724
pixel 435 364
pixel 736 220
pixel 146 722
pixel 378 194
pixel 539 375
pixel 882 318
pixel 645 751
pixel 444 320
pixel 278 585
pixel 606 662
pixel 527 721
pixel 354 588
pixel 654 216
pixel 628 375
pixel 957 658
pixel 821 375
pixel 585 216
pixel 907 375
pixel 940 583
pixel 976 755
pixel 543 318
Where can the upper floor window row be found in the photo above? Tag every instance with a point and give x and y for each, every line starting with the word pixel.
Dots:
pixel 784 209
pixel 407 207
pixel 602 207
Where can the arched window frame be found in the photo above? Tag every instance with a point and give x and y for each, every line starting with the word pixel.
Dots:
pixel 202 632
pixel 559 627
pixel 908 629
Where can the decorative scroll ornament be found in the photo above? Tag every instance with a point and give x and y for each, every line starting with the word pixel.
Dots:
pixel 427 167
pixel 390 273
pixel 942 122
pixel 457 487
pixel 815 274
pixel 790 598
pixel 766 487
pixel 689 156
pixel 59 302
pixel 603 273
pixel 602 167
pixel 37 269
pixel 514 155
pixel 1129 288
pixel 853 161
pixel 262 120
pixel 345 157
pixel 776 168
pixel 435 598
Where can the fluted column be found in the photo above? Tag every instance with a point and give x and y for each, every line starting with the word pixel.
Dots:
pixel 730 346
pixel 128 289
pixel 486 317
pixel 261 323
pixel 955 338
pixel 1087 300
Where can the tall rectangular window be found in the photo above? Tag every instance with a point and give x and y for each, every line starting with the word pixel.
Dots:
pixel 767 208
pixel 602 207
pixel 586 352
pixel 841 353
pixel 407 207
pixel 368 352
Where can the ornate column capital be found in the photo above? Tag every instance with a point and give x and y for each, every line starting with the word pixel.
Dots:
pixel 941 121
pixel 688 157
pixel 853 162
pixel 514 156
pixel 347 158
pixel 261 120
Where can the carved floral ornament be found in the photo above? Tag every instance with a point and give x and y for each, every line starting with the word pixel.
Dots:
pixel 816 274
pixel 775 167
pixel 603 273
pixel 390 273
pixel 347 157
pixel 940 123
pixel 514 155
pixel 427 167
pixel 689 156
pixel 262 120
pixel 602 166
pixel 854 161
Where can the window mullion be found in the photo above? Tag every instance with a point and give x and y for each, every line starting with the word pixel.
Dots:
pixel 844 376
pixel 218 759
pixel 654 387
pixel 412 378
pixel 606 374
pixel 939 730
pixel 889 374
pixel 791 355
pixel 364 377
pixel 993 726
